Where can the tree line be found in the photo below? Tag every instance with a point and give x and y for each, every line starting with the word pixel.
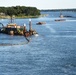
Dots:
pixel 20 11
pixel 74 10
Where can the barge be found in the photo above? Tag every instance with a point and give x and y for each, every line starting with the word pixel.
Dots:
pixel 60 19
pixel 14 29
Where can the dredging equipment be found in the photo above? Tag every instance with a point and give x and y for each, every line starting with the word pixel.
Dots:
pixel 14 29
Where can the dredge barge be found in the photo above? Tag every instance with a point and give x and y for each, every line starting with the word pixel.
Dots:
pixel 14 29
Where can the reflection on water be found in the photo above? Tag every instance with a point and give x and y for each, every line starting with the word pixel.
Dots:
pixel 53 52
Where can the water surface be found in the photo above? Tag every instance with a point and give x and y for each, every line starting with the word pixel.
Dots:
pixel 53 52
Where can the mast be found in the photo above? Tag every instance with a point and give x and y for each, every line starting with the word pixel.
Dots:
pixel 61 16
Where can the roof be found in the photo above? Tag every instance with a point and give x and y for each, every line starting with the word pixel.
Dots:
pixel 12 24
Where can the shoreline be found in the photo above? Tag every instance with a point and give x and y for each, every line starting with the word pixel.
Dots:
pixel 17 17
pixel 20 17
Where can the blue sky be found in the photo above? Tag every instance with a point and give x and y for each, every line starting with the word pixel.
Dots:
pixel 41 4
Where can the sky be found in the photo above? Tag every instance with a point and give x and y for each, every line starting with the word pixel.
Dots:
pixel 40 4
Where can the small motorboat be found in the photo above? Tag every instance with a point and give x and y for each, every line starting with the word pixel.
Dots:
pixel 40 23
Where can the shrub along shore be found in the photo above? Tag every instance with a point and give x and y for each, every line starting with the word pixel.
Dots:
pixel 19 12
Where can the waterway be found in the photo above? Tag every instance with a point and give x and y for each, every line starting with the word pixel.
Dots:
pixel 53 52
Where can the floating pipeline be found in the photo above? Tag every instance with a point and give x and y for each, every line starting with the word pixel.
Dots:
pixel 22 43
pixel 9 44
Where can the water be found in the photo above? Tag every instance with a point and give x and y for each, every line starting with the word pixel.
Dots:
pixel 53 52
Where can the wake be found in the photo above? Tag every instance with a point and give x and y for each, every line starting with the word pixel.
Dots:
pixel 71 20
pixel 51 29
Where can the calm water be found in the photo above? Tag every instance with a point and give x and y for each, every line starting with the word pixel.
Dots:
pixel 53 52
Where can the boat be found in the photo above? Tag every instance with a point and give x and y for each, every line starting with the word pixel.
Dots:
pixel 41 23
pixel 14 29
pixel 60 19
pixel 68 16
pixel 61 15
